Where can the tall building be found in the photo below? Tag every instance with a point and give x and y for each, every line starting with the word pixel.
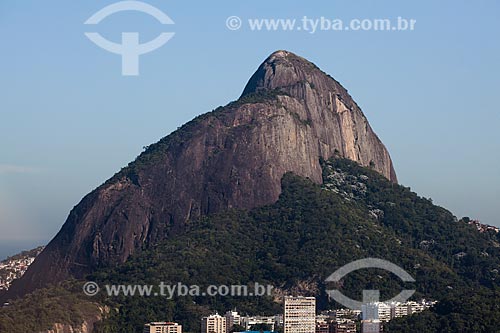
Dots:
pixel 369 311
pixel 370 315
pixel 278 320
pixel 299 315
pixel 162 327
pixel 376 311
pixel 213 324
pixel 232 318
pixel 384 312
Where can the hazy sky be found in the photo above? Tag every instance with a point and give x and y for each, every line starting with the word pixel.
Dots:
pixel 69 120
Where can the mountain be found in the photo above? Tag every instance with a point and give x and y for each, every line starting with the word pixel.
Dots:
pixel 289 116
pixel 293 244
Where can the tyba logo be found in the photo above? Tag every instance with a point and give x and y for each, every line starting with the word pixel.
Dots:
pixel 130 49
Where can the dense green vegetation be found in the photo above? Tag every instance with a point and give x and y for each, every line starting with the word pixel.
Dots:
pixel 300 240
pixel 474 310
pixel 295 243
pixel 38 311
pixel 304 237
pixel 420 224
pixel 434 230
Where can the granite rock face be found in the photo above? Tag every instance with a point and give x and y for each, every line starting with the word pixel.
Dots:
pixel 289 116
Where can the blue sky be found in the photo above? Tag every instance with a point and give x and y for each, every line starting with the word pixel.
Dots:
pixel 69 120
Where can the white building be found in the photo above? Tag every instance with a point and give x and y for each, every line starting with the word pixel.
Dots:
pixel 385 312
pixel 299 315
pixel 370 326
pixel 213 324
pixel 232 318
pixel 344 326
pixel 248 322
pixel 369 311
pixel 399 310
pixel 162 327
pixel 414 307
pixel 376 311
pixel 278 320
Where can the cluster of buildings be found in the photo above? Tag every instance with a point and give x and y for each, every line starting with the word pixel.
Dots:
pixel 227 323
pixel 337 321
pixel 483 227
pixel 299 316
pixel 13 268
pixel 375 315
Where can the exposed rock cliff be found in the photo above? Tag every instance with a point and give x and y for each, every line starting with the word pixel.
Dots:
pixel 289 116
pixel 65 328
pixel 87 326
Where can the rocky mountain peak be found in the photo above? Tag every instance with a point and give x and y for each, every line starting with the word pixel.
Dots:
pixel 326 105
pixel 280 70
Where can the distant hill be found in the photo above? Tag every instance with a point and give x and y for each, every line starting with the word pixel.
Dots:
pixel 15 266
pixel 33 253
